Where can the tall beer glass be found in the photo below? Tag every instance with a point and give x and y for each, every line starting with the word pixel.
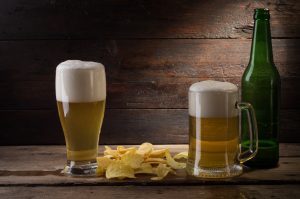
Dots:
pixel 80 93
pixel 214 140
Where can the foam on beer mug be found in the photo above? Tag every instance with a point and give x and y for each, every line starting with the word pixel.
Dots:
pixel 213 99
pixel 80 81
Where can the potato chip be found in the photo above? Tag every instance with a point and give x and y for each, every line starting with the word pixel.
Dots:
pixel 161 171
pixel 155 160
pixel 145 168
pixel 103 162
pixel 122 149
pixel 117 169
pixel 183 155
pixel 126 162
pixel 109 156
pixel 158 153
pixel 133 159
pixel 107 148
pixel 109 151
pixel 173 163
pixel 145 149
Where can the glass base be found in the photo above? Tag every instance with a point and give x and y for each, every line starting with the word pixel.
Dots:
pixel 222 172
pixel 80 168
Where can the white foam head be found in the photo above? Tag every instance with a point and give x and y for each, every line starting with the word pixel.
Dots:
pixel 80 81
pixel 213 99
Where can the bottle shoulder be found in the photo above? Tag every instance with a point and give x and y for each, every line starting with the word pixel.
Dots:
pixel 265 71
pixel 261 77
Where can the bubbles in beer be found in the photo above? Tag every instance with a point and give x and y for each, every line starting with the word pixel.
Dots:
pixel 213 99
pixel 80 81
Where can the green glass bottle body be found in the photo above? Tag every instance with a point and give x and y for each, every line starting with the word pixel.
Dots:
pixel 261 88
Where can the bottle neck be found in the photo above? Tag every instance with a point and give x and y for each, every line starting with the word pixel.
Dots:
pixel 261 50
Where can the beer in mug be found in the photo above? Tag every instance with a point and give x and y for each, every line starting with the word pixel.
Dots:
pixel 214 138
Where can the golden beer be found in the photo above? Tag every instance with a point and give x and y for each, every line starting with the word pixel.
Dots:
pixel 217 138
pixel 80 94
pixel 214 138
pixel 81 123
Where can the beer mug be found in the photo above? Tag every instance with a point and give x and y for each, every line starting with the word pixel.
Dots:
pixel 214 138
pixel 80 93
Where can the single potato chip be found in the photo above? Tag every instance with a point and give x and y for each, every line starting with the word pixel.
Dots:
pixel 133 159
pixel 122 149
pixel 158 153
pixel 104 162
pixel 109 151
pixel 155 160
pixel 109 156
pixel 161 171
pixel 145 149
pixel 145 168
pixel 118 169
pixel 107 148
pixel 171 162
pixel 183 155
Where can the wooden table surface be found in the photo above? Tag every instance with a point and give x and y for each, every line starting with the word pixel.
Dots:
pixel 34 172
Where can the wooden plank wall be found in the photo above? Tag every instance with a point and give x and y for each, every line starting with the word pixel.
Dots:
pixel 152 50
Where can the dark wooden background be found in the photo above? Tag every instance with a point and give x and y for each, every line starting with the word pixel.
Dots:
pixel 152 50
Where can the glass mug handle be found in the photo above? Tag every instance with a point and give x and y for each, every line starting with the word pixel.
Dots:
pixel 253 134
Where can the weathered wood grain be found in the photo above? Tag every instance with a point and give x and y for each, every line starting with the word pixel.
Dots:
pixel 41 166
pixel 43 19
pixel 142 60
pixel 148 62
pixel 121 126
pixel 126 126
pixel 149 74
pixel 166 93
pixel 150 192
pixel 40 156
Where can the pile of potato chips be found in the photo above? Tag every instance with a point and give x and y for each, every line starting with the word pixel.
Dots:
pixel 127 162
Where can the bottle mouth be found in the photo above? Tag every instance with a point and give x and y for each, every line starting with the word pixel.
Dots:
pixel 261 13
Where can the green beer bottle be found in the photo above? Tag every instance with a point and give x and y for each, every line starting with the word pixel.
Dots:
pixel 261 88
